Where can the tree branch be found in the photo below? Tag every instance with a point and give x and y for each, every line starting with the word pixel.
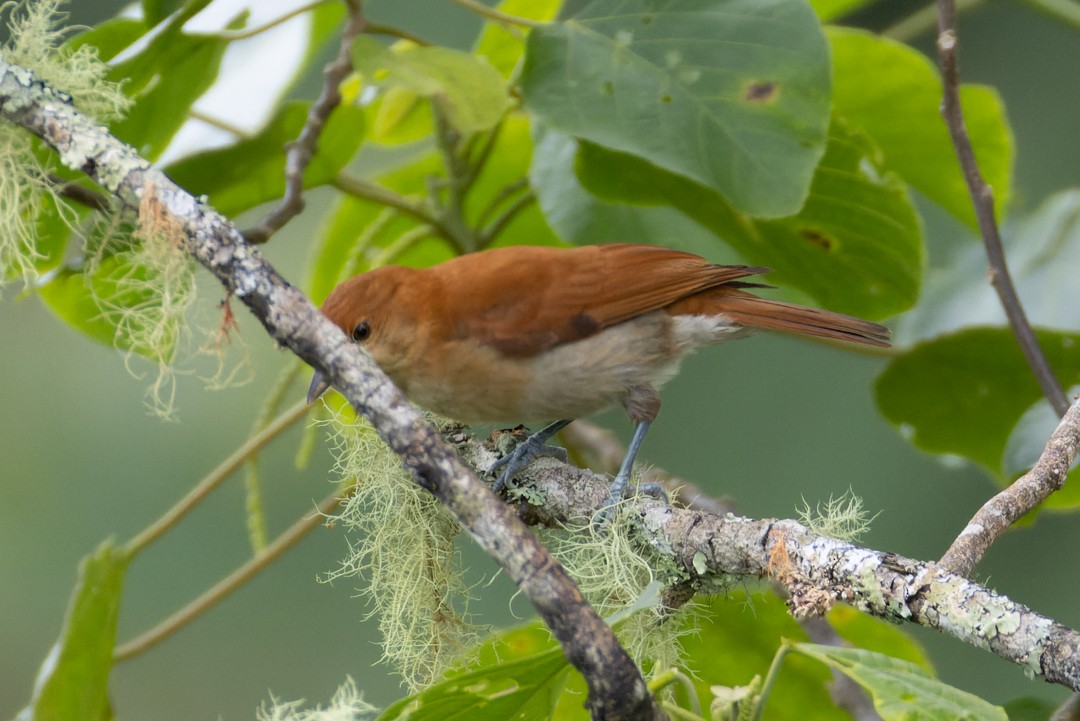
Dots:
pixel 616 688
pixel 982 197
pixel 815 570
pixel 1026 492
pixel 303 149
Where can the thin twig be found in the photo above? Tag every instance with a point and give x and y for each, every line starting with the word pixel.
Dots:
pixel 982 198
pixel 380 29
pixel 366 190
pixel 214 478
pixel 490 233
pixel 230 35
pixel 83 196
pixel 1025 493
pixel 303 149
pixel 504 194
pixel 496 15
pixel 230 583
pixel 218 123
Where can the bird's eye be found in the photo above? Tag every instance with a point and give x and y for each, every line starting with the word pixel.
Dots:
pixel 361 332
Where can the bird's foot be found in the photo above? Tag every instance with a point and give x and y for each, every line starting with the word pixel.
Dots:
pixel 533 447
pixel 606 513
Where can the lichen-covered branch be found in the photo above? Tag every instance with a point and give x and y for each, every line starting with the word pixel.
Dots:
pixel 616 688
pixel 1026 492
pixel 817 571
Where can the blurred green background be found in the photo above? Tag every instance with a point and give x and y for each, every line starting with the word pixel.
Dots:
pixel 83 461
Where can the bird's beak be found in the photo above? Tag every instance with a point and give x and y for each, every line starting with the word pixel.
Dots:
pixel 319 385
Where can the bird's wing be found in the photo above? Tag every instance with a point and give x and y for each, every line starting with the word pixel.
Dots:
pixel 523 301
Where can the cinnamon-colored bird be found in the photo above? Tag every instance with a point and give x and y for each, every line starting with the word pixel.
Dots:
pixel 552 334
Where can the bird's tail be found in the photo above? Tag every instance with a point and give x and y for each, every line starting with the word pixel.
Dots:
pixel 751 311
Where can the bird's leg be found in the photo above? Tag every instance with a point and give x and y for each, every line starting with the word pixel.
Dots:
pixel 642 405
pixel 529 449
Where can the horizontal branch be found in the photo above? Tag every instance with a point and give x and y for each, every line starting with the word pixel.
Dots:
pixel 816 570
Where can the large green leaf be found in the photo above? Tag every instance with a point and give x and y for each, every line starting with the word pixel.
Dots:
pixel 527 689
pixel 733 94
pixel 502 46
pixel 470 91
pixel 856 246
pixel 252 171
pixel 963 393
pixel 830 9
pixel 580 217
pixel 737 638
pixel 877 80
pixel 190 63
pixel 73 681
pixel 901 690
pixel 874 634
pixel 1043 250
pixel 78 300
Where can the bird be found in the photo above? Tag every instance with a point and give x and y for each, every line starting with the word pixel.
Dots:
pixel 550 334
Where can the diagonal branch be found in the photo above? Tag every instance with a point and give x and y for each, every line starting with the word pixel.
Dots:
pixel 1026 492
pixel 982 197
pixel 303 149
pixel 616 688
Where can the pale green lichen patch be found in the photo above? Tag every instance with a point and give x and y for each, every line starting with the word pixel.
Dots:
pixel 612 568
pixel 401 555
pixel 34 50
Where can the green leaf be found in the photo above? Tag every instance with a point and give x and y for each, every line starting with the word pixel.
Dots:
pixel 502 46
pixel 738 638
pixel 78 301
pixel 879 80
pixel 110 37
pixel 1043 249
pixel 470 91
pixel 875 634
pixel 73 680
pixel 580 217
pixel 934 390
pixel 732 94
pixel 157 10
pixel 901 690
pixel 830 9
pixel 856 246
pixel 525 689
pixel 1030 709
pixel 165 79
pixel 251 172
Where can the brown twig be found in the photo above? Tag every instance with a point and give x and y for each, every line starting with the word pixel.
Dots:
pixel 1026 492
pixel 303 149
pixel 83 196
pixel 982 197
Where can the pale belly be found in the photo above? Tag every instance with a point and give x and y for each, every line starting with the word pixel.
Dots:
pixel 573 380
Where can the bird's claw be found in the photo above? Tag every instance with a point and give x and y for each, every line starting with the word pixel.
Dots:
pixel 604 516
pixel 526 452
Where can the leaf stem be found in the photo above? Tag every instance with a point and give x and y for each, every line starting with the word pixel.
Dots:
pixel 230 583
pixel 496 15
pixel 982 197
pixel 230 35
pixel 214 478
pixel 770 677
